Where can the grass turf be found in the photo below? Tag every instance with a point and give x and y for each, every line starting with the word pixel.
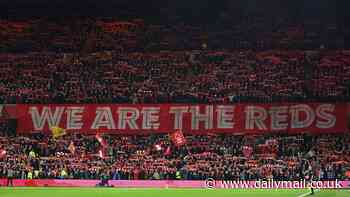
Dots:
pixel 109 192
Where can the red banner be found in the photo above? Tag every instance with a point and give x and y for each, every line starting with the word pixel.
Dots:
pixel 199 119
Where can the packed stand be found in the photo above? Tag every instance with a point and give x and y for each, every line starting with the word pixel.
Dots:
pixel 76 156
pixel 111 61
pixel 175 77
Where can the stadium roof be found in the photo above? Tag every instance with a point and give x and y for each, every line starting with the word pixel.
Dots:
pixel 189 10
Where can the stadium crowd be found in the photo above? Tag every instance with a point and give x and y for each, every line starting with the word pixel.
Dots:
pixel 77 156
pixel 175 77
pixel 111 61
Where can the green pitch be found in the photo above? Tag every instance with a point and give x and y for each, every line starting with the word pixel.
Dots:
pixel 114 192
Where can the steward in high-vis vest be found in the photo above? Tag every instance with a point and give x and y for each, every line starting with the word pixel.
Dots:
pixel 30 175
pixel 178 175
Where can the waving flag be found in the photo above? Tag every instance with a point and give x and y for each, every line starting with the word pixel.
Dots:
pixel 57 132
pixel 178 138
pixel 101 154
pixel 101 140
pixel 167 151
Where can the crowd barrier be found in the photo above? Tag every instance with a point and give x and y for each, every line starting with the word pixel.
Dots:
pixel 146 184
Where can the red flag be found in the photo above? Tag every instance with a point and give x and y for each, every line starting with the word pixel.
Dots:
pixel 167 151
pixel 178 138
pixel 100 153
pixel 101 140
